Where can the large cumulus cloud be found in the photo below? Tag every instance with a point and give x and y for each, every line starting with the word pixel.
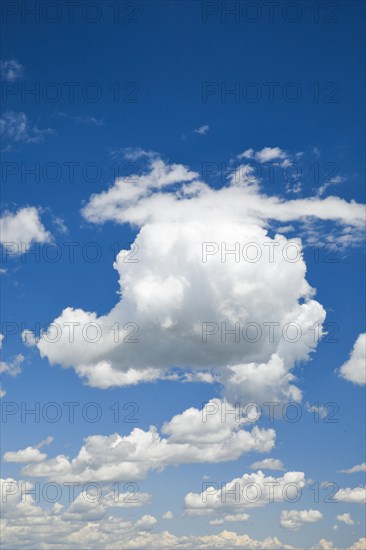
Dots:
pixel 180 291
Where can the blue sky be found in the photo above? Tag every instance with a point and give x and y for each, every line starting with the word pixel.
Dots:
pixel 164 126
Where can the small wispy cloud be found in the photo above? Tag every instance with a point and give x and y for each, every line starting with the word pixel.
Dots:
pixel 12 368
pixel 320 410
pixel 16 128
pixel 11 70
pixel 202 130
pixel 337 180
pixel 355 469
pixel 90 121
pixel 60 225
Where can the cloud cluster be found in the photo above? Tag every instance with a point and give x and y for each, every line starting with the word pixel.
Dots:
pixel 131 457
pixel 267 154
pixel 93 526
pixel 248 491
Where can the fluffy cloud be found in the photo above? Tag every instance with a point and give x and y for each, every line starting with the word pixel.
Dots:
pixel 131 457
pixel 267 154
pixel 356 495
pixel 360 544
pixel 91 526
pixel 324 544
pixel 346 518
pixel 29 454
pixel 20 229
pixel 294 519
pixel 168 515
pixel 354 369
pixel 229 518
pixel 95 507
pixel 177 284
pixel 268 464
pixel 25 524
pixel 251 490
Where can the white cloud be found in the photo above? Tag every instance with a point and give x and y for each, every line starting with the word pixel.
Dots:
pixel 204 377
pixel 60 225
pixel 251 490
pixel 16 128
pixel 355 469
pixel 169 299
pixel 354 369
pixel 96 506
pixel 168 515
pixel 29 454
pixel 90 525
pixel 267 154
pixel 294 519
pixel 247 154
pixel 28 338
pixel 230 518
pixel 356 495
pixel 134 201
pixel 360 544
pixel 337 180
pixel 146 522
pixel 202 130
pixel 268 464
pixel 131 457
pixel 20 229
pixel 11 70
pixel 324 544
pixel 345 518
pixel 12 367
pixel 320 410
